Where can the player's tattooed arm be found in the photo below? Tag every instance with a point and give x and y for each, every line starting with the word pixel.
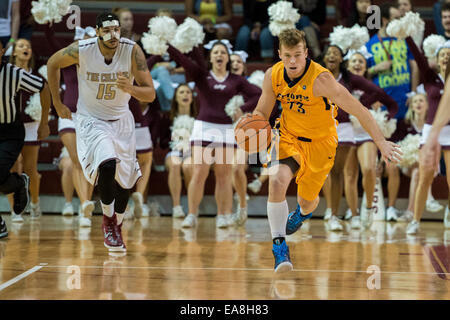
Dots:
pixel 145 90
pixel 139 59
pixel 71 51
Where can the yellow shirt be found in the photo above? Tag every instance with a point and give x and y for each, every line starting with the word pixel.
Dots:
pixel 208 10
pixel 304 115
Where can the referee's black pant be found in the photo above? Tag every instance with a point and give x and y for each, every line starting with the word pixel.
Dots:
pixel 11 142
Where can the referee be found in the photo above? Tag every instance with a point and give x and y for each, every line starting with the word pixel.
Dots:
pixel 12 131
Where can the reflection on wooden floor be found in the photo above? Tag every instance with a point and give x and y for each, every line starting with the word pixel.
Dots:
pixel 54 259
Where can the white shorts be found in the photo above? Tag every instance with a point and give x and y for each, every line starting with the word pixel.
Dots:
pixel 444 136
pixel 31 133
pixel 99 141
pixel 214 135
pixel 361 136
pixel 143 140
pixel 178 154
pixel 345 133
pixel 66 125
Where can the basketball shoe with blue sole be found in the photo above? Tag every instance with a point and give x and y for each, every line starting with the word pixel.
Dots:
pixel 295 220
pixel 282 259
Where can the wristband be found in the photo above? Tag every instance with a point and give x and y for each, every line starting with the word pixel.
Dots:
pixel 11 40
pixel 213 19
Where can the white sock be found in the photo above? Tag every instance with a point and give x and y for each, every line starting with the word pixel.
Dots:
pixel 277 212
pixel 119 217
pixel 108 209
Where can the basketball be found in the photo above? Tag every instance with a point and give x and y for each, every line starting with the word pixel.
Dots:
pixel 253 133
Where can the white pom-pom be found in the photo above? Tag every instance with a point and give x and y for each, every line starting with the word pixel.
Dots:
pixel 50 11
pixel 409 25
pixel 341 37
pixel 257 78
pixel 386 125
pixel 43 71
pixel 153 44
pixel 283 11
pixel 431 43
pixel 34 109
pixel 360 36
pixel 163 27
pixel 232 105
pixel 188 35
pixel 181 132
pixel 282 16
pixel 410 148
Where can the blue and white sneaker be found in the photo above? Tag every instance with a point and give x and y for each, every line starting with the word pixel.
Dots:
pixel 295 220
pixel 282 260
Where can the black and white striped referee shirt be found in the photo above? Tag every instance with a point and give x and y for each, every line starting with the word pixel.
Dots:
pixel 13 79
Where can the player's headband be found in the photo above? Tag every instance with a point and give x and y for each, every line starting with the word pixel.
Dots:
pixel 109 20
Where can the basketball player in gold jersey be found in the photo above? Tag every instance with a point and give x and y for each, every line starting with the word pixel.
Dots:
pixel 309 95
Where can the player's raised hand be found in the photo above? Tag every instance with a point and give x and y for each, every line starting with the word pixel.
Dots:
pixel 390 152
pixel 123 83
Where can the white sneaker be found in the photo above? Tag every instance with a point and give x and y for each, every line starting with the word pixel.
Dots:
pixel 86 208
pixel 335 224
pixel 255 186
pixel 84 222
pixel 178 212
pixel 145 210
pixel 67 209
pixel 154 209
pixel 138 202
pixel 447 218
pixel 229 217
pixel 413 227
pixel 327 215
pixel 35 210
pixel 128 214
pixel 433 206
pixel 366 217
pixel 240 217
pixel 221 221
pixel 16 217
pixel 392 214
pixel 190 221
pixel 348 214
pixel 407 216
pixel 355 222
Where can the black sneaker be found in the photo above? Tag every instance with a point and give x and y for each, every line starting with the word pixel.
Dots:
pixel 3 230
pixel 22 197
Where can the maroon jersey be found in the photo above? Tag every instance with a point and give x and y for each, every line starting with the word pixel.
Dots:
pixel 214 94
pixel 433 82
pixel 367 93
pixel 403 129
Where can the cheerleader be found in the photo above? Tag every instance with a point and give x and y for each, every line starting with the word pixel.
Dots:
pixel 368 93
pixel 434 87
pixel 178 161
pixel 213 134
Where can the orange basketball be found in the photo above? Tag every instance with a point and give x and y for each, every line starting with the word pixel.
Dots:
pixel 253 133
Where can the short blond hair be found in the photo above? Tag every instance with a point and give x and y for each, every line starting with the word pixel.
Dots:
pixel 291 37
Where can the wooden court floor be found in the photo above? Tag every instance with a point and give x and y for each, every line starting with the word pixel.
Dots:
pixel 53 259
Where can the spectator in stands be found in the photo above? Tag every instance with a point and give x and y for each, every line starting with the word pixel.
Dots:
pixel 214 15
pixel 392 66
pixel 437 16
pixel 313 14
pixel 405 6
pixel 445 20
pixel 179 162
pixel 22 57
pixel 343 9
pixel 358 13
pixel 26 20
pixel 9 22
pixel 126 22
pixel 256 28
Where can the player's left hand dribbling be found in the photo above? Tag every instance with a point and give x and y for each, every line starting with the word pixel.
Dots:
pixel 391 152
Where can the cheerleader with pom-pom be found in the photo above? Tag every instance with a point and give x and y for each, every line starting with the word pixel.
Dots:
pixel 178 161
pixel 368 93
pixel 213 128
pixel 434 86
